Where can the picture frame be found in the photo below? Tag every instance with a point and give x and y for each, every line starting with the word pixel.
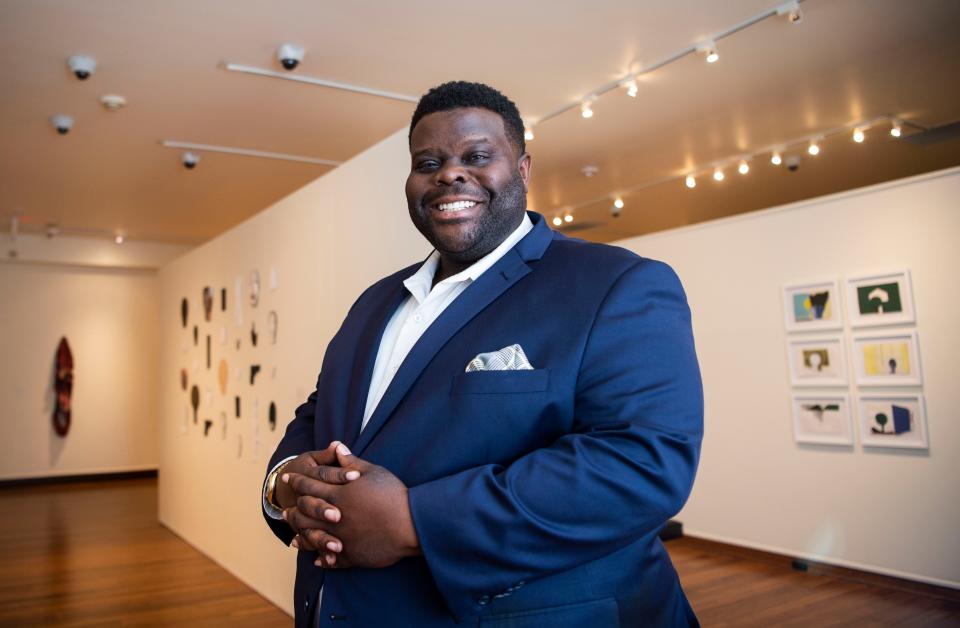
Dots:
pixel 822 419
pixel 889 358
pixel 813 306
pixel 817 361
pixel 880 299
pixel 893 420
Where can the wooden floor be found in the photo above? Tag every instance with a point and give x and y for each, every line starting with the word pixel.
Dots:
pixel 93 554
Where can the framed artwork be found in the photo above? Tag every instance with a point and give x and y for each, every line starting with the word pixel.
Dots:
pixel 891 420
pixel 813 306
pixel 887 359
pixel 822 419
pixel 880 299
pixel 817 361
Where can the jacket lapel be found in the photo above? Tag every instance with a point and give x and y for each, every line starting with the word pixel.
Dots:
pixel 365 358
pixel 490 285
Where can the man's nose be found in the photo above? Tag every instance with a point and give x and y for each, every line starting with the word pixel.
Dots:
pixel 450 173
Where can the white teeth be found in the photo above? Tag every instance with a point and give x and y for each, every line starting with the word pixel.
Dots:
pixel 456 206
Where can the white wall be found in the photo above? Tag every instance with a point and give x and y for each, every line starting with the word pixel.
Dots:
pixel 327 241
pixel 109 317
pixel 893 512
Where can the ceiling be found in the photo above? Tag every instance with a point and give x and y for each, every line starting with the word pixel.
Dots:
pixel 847 61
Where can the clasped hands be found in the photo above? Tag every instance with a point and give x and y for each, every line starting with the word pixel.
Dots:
pixel 351 512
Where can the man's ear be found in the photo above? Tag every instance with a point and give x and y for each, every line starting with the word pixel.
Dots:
pixel 524 166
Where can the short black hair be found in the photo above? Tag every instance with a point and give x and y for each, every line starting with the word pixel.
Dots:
pixel 457 94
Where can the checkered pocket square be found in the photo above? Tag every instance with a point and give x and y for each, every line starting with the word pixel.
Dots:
pixel 510 358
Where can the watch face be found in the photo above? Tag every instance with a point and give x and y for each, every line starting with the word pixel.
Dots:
pixel 254 288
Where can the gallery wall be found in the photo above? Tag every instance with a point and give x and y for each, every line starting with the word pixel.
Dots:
pixel 323 245
pixel 104 299
pixel 887 510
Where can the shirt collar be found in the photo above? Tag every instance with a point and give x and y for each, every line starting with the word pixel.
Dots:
pixel 420 283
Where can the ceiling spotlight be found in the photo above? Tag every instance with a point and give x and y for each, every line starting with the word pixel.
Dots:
pixel 589 171
pixel 190 160
pixel 568 218
pixel 527 132
pixel 718 174
pixel 792 11
pixel 118 238
pixel 632 88
pixel 709 48
pixel 585 110
pixel 776 159
pixel 82 66
pixel 289 56
pixel 618 203
pixel 744 167
pixel 858 135
pixel 113 102
pixel 557 221
pixel 691 181
pixel 814 148
pixel 62 123
pixel 896 129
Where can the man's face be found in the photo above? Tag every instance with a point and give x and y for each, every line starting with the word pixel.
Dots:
pixel 467 189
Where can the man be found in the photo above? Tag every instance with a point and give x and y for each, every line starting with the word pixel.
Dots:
pixel 524 412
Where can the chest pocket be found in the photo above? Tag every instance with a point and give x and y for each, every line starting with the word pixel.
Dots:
pixel 501 382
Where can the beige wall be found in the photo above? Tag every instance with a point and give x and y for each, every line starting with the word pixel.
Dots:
pixel 895 512
pixel 327 241
pixel 109 317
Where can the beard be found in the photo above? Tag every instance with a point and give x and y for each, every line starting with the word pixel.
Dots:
pixel 504 213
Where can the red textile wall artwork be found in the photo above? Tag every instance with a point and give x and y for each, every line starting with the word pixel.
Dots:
pixel 63 385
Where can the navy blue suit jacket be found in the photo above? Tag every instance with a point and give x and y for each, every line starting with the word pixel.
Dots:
pixel 537 495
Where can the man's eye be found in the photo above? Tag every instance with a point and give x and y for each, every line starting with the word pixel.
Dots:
pixel 427 165
pixel 477 158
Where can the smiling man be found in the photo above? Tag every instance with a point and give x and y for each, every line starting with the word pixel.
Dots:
pixel 524 412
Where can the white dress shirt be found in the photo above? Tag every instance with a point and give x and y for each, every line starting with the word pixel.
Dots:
pixel 417 312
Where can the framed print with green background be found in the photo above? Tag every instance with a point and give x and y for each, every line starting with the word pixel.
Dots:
pixel 882 299
pixel 817 361
pixel 891 420
pixel 822 419
pixel 889 358
pixel 812 306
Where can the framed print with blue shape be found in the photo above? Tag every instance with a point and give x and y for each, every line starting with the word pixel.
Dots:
pixel 812 306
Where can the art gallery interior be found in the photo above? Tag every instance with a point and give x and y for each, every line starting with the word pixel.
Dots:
pixel 195 220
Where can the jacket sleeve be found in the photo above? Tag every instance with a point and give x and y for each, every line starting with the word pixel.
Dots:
pixel 297 439
pixel 626 467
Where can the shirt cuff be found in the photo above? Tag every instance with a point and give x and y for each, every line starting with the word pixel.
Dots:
pixel 272 511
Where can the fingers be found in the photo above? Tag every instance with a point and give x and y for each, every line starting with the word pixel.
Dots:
pixel 346 459
pixel 332 475
pixel 305 485
pixel 317 509
pixel 299 521
pixel 326 456
pixel 322 542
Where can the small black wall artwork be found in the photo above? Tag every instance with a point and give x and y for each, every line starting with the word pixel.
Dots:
pixel 207 303
pixel 196 336
pixel 184 380
pixel 254 369
pixel 184 311
pixel 207 424
pixel 223 299
pixel 195 400
pixel 208 351
pixel 253 333
pixel 63 386
pixel 254 288
pixel 272 416
pixel 236 406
